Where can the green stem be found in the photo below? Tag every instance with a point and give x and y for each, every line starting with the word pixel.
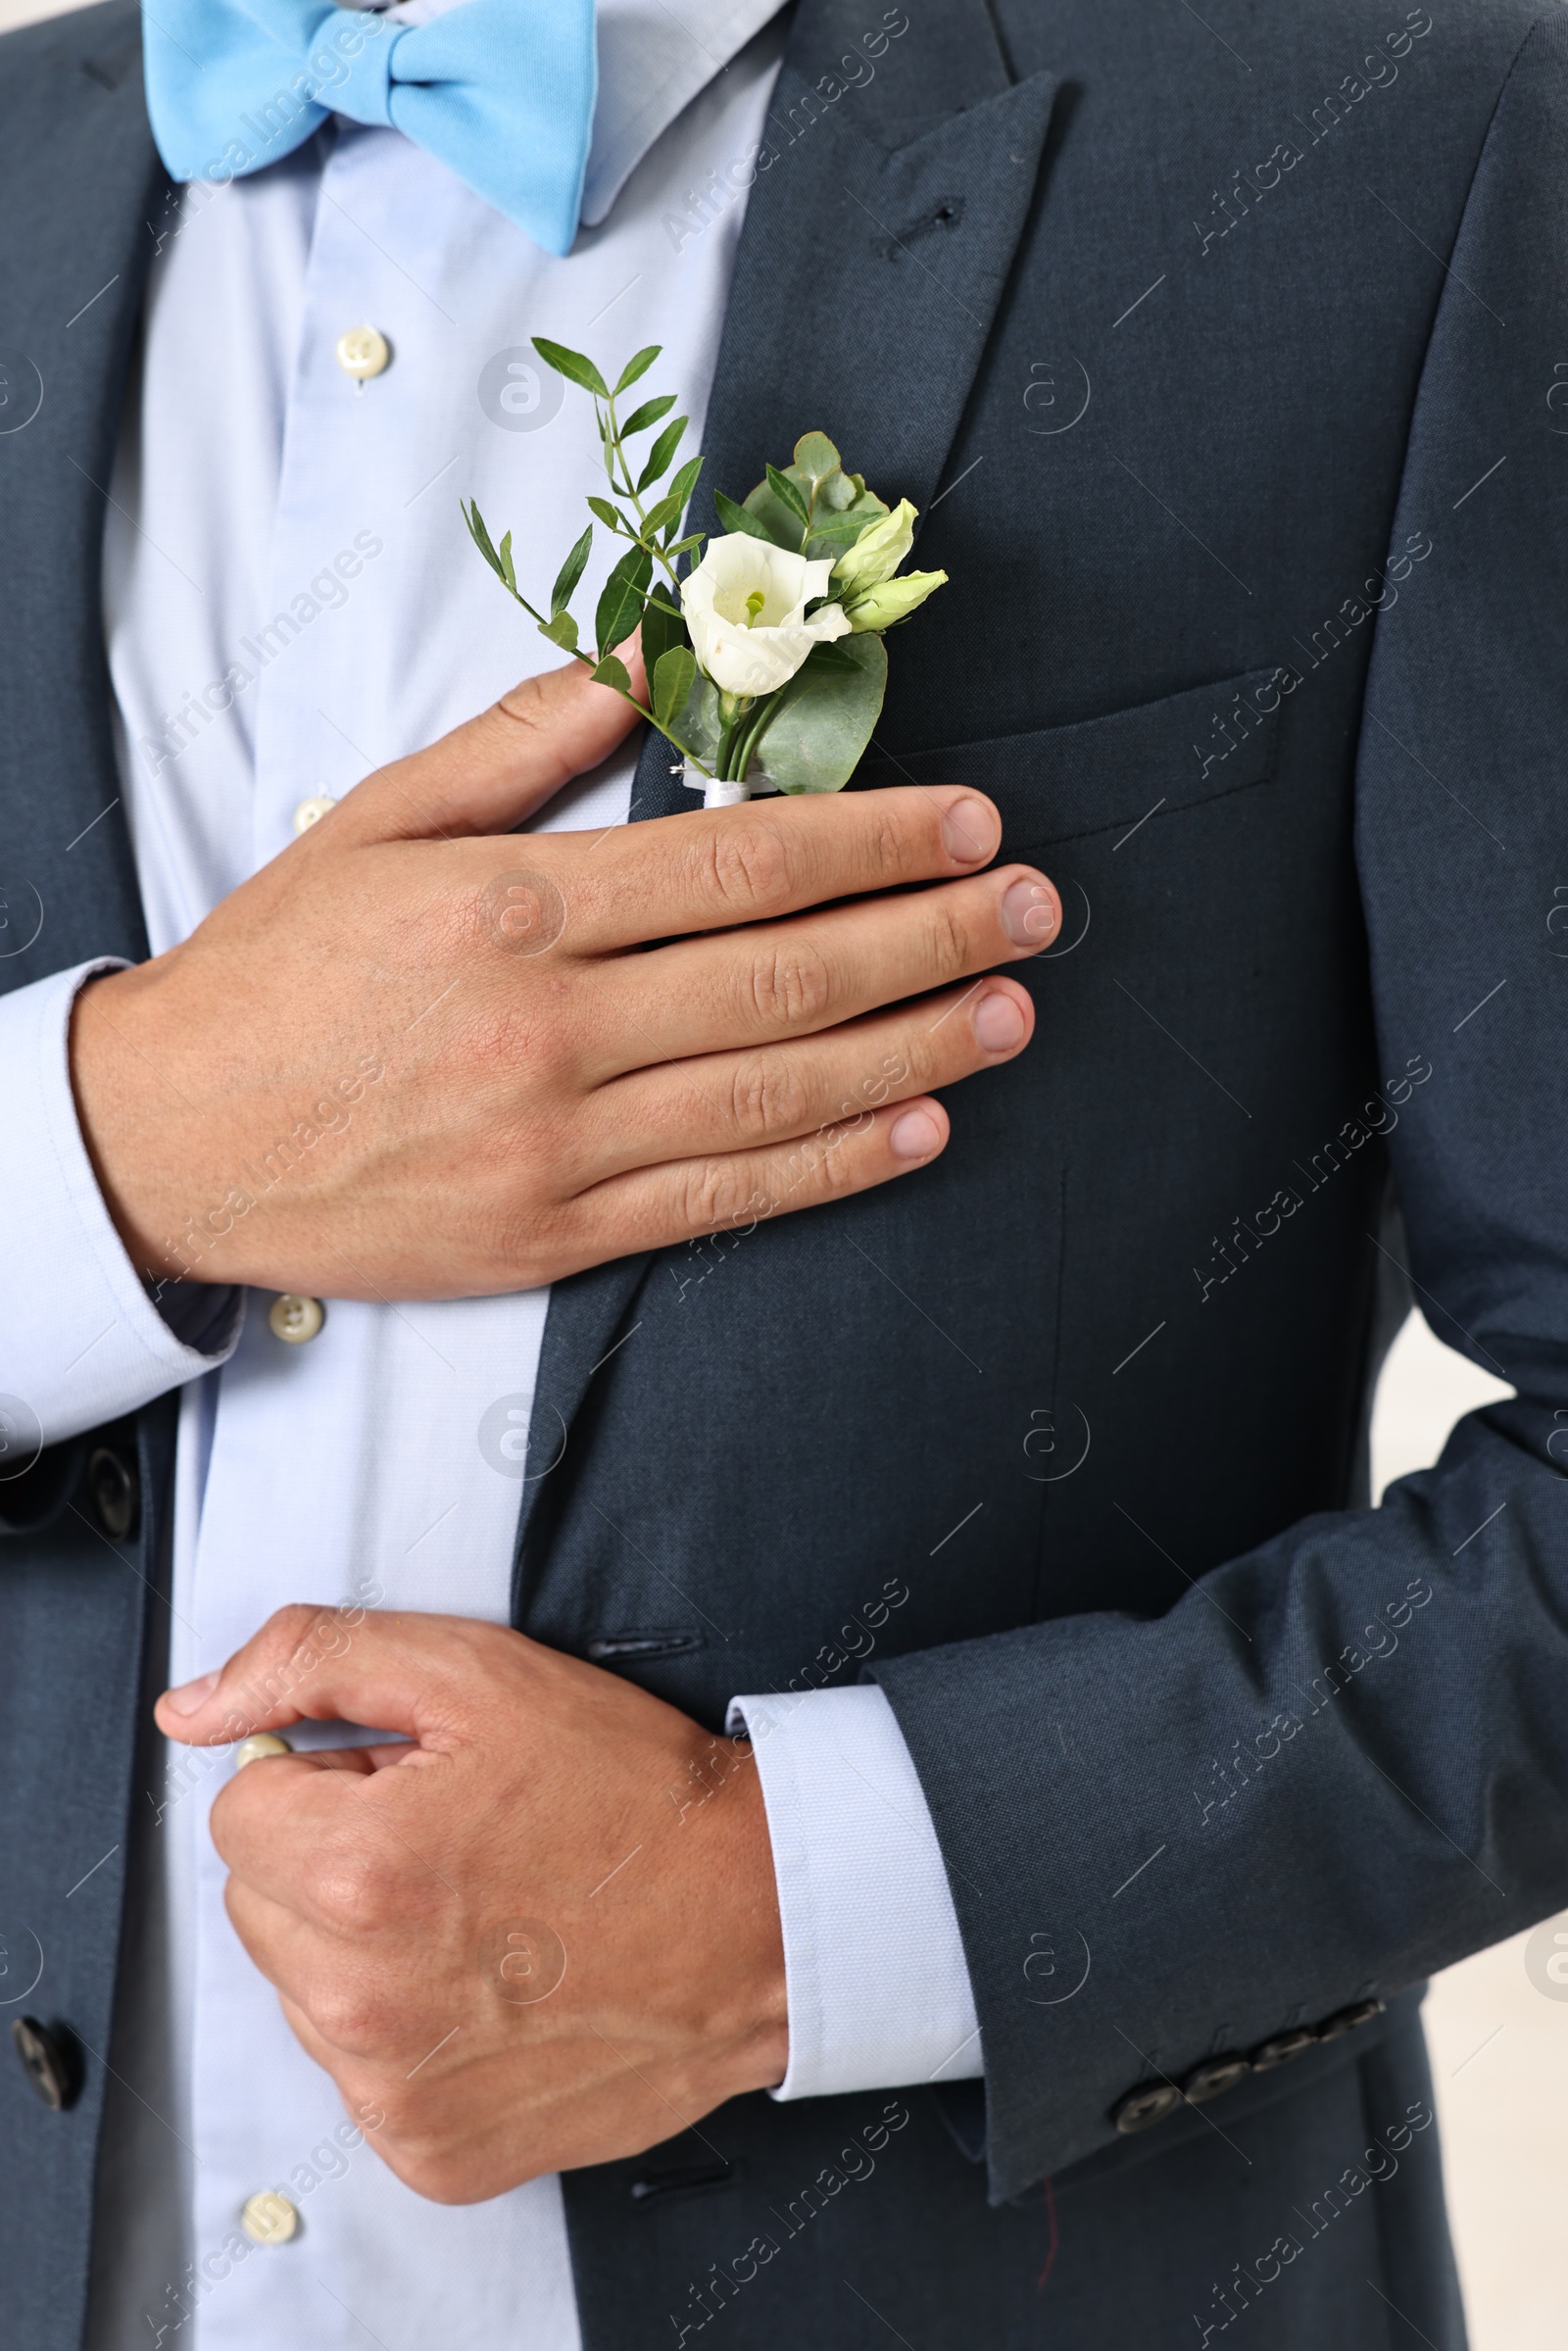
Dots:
pixel 589 662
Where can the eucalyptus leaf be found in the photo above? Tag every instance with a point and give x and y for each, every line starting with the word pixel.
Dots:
pixel 835 534
pixel 562 630
pixel 620 606
pixel 740 518
pixel 825 719
pixel 673 675
pixel 571 364
pixel 638 365
pixel 698 724
pixel 610 672
pixel 612 516
pixel 816 461
pixel 508 570
pixel 663 449
pixel 649 414
pixel 571 573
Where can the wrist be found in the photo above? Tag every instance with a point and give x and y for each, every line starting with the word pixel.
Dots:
pixel 747 2026
pixel 111 1077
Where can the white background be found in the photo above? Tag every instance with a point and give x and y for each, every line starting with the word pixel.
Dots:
pixel 1499 2050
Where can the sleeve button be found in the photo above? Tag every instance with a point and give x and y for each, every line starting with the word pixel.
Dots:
pixel 1214 2076
pixel 1281 2048
pixel 1345 2020
pixel 1149 2103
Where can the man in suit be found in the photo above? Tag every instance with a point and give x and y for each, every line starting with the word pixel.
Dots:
pixel 1115 1776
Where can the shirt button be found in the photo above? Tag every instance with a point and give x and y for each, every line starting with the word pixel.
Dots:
pixel 311 811
pixel 259 1743
pixel 296 1319
pixel 362 352
pixel 268 2219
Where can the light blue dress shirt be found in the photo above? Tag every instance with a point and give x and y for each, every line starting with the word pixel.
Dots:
pixel 291 599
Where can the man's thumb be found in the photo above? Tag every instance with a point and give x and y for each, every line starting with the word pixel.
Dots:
pixel 494 771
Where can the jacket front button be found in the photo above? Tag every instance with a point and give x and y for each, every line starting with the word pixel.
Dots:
pixel 1214 2075
pixel 45 2061
pixel 115 1491
pixel 1151 2102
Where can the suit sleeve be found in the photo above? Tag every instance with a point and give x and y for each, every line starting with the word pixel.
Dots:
pixel 1342 1761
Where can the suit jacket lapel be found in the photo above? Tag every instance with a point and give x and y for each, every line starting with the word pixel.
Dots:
pixel 878 239
pixel 77 185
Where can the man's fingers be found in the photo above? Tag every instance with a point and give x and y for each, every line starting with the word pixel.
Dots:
pixel 773 1093
pixel 712 868
pixel 491 772
pixel 728 1196
pixel 791 979
pixel 324 1665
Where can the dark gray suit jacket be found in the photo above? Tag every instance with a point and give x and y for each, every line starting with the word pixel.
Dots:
pixel 1227 356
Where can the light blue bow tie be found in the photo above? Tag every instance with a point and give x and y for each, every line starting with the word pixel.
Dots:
pixel 501 92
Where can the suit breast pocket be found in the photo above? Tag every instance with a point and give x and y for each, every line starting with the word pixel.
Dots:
pixel 1065 783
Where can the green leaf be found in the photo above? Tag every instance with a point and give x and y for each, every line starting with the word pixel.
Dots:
pixel 481 537
pixel 834 534
pixel 571 364
pixel 740 518
pixel 664 629
pixel 825 717
pixel 816 460
pixel 610 672
pixel 663 449
pixel 562 630
pixel 832 656
pixel 507 571
pixel 684 545
pixel 620 606
pixel 674 675
pixel 649 414
pixel 610 517
pixel 785 491
pixel 779 523
pixel 571 573
pixel 638 365
pixel 661 517
pixel 685 481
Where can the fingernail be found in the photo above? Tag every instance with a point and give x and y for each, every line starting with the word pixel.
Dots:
pixel 191 1695
pixel 1028 914
pixel 970 831
pixel 915 1136
pixel 998 1022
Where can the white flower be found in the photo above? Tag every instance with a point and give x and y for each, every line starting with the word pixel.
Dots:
pixel 748 647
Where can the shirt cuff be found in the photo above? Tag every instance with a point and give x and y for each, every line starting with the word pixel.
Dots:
pixel 876 1980
pixel 82 1341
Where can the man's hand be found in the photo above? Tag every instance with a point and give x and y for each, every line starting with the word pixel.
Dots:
pixel 415 1057
pixel 546 1934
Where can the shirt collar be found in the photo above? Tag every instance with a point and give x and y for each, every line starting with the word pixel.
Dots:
pixel 655 56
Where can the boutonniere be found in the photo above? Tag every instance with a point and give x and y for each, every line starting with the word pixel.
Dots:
pixel 763 655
